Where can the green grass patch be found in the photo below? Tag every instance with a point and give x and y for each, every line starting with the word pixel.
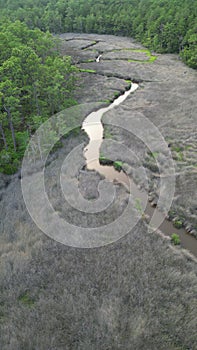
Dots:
pixel 73 132
pixel 151 57
pixel 188 147
pixel 138 205
pixel 116 94
pixel 87 70
pixel 118 165
pixel 106 161
pixel 178 224
pixel 139 61
pixel 76 131
pixel 151 60
pixel 26 299
pixel 107 134
pixel 176 148
pixel 106 101
pixel 180 156
pixel 175 239
pixel 154 154
pixel 88 61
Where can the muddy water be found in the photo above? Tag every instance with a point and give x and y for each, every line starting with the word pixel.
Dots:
pixel 187 241
pixel 93 127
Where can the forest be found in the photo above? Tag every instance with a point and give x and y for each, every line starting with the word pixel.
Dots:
pixel 35 81
pixel 161 25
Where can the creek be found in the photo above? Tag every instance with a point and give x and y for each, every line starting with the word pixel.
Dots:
pixel 92 125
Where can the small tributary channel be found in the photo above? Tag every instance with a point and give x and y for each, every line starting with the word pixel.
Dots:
pixel 92 125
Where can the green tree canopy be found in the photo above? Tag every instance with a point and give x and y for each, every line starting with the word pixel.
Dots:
pixel 35 82
pixel 162 25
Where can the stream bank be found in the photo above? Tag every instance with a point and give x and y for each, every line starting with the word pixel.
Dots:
pixel 162 97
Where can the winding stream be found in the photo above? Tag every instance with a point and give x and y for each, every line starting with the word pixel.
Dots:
pixel 92 125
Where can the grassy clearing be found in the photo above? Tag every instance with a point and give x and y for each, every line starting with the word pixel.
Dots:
pixel 83 70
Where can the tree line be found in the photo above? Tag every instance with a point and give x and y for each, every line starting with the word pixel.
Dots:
pixel 161 25
pixel 35 83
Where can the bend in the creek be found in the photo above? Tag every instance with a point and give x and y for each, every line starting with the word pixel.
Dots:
pixel 92 125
